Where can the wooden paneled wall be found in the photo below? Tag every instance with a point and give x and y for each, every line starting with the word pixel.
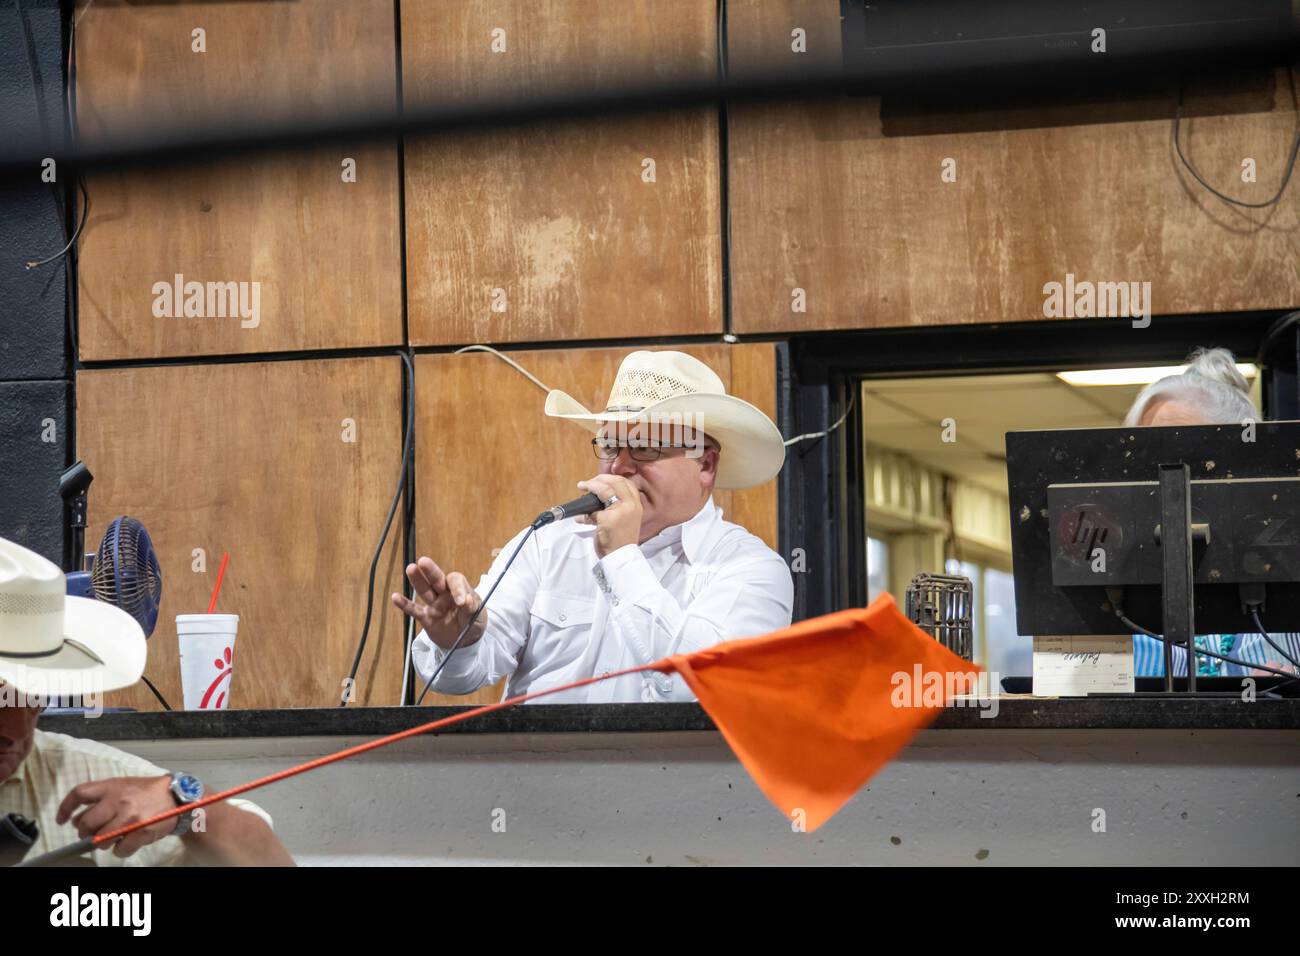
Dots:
pixel 289 467
pixel 843 198
pixel 326 253
pixel 558 231
pixel 591 230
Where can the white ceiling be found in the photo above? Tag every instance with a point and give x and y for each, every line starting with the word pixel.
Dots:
pixel 905 414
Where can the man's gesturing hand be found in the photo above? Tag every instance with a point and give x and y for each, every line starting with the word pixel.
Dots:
pixel 446 603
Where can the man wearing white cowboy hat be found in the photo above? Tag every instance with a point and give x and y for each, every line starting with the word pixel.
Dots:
pixel 51 645
pixel 657 572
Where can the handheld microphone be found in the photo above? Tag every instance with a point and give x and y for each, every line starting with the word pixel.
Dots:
pixel 587 504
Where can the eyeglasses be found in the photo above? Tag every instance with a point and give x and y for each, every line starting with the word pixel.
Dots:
pixel 607 449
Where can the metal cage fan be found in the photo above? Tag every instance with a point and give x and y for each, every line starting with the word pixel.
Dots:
pixel 942 605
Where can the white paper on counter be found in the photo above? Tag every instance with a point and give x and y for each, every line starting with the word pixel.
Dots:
pixel 1081 665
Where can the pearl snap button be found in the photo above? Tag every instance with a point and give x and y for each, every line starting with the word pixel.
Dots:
pixel 564 617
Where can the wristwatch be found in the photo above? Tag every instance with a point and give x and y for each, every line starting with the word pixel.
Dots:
pixel 185 788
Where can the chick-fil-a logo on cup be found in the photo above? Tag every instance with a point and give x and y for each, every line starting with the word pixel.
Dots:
pixel 207 650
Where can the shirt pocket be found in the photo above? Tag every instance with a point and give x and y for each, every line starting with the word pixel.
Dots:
pixel 559 630
pixel 557 611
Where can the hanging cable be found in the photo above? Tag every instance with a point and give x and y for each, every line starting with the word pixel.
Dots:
pixel 1259 626
pixel 350 684
pixel 852 398
pixel 1286 176
pixel 1200 652
pixel 161 699
pixel 474 617
pixel 76 234
pixel 509 361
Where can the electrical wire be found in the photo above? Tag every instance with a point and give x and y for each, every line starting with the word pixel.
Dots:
pixel 161 699
pixel 1277 328
pixel 853 397
pixel 1199 651
pixel 77 223
pixel 721 30
pixel 406 655
pixel 76 234
pixel 38 92
pixel 1286 177
pixel 724 179
pixel 350 683
pixel 532 378
pixel 72 271
pixel 474 617
pixel 1259 626
pixel 509 361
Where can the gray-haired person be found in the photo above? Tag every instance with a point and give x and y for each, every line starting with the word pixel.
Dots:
pixel 1212 391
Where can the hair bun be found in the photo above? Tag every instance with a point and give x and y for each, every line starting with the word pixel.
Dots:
pixel 1217 365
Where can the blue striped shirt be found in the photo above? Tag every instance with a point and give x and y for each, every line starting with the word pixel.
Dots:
pixel 1149 655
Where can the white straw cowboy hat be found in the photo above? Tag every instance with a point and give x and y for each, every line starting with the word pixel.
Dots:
pixel 674 387
pixel 52 644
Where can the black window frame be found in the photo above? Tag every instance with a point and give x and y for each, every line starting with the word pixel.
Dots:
pixel 820 491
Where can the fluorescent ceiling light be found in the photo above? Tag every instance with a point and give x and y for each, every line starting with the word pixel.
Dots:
pixel 1136 376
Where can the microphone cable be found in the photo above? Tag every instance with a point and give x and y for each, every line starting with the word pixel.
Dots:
pixel 349 685
pixel 477 611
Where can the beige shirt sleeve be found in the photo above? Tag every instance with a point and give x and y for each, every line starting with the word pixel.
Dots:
pixel 77 760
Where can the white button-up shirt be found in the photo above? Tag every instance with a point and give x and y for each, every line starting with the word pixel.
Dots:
pixel 561 614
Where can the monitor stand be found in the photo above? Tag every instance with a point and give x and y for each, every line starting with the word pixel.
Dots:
pixel 1175 537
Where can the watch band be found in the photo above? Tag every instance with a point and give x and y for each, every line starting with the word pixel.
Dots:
pixel 178 788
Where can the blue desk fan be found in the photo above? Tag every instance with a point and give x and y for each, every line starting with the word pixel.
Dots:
pixel 125 573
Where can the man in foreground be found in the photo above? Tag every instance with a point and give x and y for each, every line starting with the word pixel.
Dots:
pixel 52 644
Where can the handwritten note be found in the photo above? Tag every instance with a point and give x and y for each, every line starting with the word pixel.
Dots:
pixel 1077 666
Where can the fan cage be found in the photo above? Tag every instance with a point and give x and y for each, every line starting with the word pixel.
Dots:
pixel 942 605
pixel 125 572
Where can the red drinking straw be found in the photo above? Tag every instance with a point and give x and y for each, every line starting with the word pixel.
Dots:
pixel 225 556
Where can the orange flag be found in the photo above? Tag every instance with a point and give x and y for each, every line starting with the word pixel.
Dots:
pixel 814 710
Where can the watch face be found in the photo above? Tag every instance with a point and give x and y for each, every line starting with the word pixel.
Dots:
pixel 189 787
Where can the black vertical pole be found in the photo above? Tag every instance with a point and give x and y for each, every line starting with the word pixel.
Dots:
pixel 1176 550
